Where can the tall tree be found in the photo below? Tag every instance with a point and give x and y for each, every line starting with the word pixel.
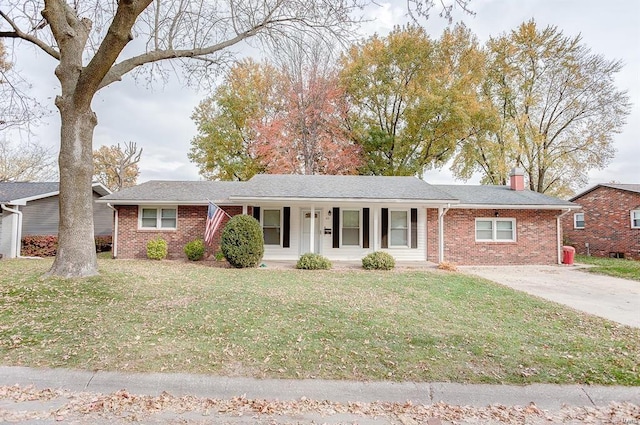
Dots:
pixel 409 97
pixel 557 108
pixel 26 162
pixel 117 168
pixel 307 134
pixel 225 146
pixel 87 38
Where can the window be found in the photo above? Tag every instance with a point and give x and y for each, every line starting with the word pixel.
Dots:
pixel 351 228
pixel 635 219
pixel 271 227
pixel 158 218
pixel 578 221
pixel 399 228
pixel 495 230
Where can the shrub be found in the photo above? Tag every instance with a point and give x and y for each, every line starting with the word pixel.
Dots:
pixel 311 261
pixel 378 261
pixel 157 249
pixel 103 243
pixel 39 246
pixel 242 242
pixel 219 256
pixel 194 250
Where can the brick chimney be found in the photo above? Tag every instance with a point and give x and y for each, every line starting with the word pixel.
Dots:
pixel 517 179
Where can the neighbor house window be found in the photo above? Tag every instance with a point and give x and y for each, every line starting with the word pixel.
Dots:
pixel 399 228
pixel 271 227
pixel 495 230
pixel 635 219
pixel 578 221
pixel 351 228
pixel 158 218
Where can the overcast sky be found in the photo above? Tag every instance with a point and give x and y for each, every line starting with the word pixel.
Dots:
pixel 158 119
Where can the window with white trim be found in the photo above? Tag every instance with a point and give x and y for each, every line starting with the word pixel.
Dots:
pixel 578 221
pixel 271 225
pixel 495 230
pixel 398 228
pixel 635 219
pixel 350 227
pixel 158 218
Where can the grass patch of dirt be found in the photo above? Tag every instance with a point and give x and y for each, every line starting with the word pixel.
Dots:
pixel 616 267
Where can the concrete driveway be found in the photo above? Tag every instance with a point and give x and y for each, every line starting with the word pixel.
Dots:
pixel 609 297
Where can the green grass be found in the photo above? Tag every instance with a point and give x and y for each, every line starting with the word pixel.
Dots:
pixel 617 267
pixel 188 317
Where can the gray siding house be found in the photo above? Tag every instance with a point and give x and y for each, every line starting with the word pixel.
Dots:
pixel 31 209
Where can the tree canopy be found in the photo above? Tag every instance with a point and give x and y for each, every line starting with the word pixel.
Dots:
pixel 115 167
pixel 26 162
pixel 555 110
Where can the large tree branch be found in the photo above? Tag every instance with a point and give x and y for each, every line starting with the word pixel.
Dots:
pixel 17 33
pixel 119 70
pixel 117 37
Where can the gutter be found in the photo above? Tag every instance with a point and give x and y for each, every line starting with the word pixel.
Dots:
pixel 18 243
pixel 114 248
pixel 559 231
pixel 441 213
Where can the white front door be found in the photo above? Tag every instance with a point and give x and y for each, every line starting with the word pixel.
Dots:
pixel 305 245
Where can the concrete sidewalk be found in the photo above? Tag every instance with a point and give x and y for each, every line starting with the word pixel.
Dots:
pixel 545 396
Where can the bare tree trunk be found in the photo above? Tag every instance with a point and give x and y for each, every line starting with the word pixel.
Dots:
pixel 76 255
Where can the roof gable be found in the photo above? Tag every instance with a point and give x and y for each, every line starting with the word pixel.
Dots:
pixel 635 188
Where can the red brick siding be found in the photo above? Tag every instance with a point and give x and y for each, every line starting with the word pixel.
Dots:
pixel 536 238
pixel 132 242
pixel 607 217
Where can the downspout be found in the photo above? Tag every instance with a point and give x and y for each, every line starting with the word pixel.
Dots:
pixel 441 213
pixel 18 243
pixel 559 231
pixel 114 248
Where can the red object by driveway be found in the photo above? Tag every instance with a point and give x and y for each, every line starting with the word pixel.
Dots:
pixel 568 253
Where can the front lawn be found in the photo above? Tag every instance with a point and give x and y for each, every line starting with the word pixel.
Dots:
pixel 617 267
pixel 422 326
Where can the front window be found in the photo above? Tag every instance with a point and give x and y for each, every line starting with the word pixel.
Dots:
pixel 399 228
pixel 351 228
pixel 578 221
pixel 635 219
pixel 495 230
pixel 158 218
pixel 271 227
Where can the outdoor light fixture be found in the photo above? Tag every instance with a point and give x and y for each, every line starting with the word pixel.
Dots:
pixel 496 213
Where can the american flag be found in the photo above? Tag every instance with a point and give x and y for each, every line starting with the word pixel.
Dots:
pixel 215 214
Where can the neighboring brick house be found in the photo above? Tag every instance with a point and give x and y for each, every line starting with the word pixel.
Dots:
pixel 608 224
pixel 347 217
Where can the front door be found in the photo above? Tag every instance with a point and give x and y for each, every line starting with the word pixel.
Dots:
pixel 306 231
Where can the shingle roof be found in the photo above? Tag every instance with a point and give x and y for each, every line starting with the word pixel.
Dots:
pixel 11 191
pixel 17 191
pixel 341 187
pixel 620 186
pixel 195 192
pixel 501 195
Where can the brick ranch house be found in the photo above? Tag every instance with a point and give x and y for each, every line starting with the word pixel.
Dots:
pixel 347 217
pixel 608 222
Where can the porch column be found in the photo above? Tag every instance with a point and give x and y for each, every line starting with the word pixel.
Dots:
pixel 441 212
pixel 244 209
pixel 376 226
pixel 312 230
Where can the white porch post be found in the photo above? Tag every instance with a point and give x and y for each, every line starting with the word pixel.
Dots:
pixel 244 209
pixel 312 230
pixel 376 226
pixel 441 212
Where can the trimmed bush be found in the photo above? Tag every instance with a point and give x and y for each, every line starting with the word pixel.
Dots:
pixel 242 242
pixel 194 250
pixel 157 249
pixel 378 260
pixel 47 245
pixel 311 261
